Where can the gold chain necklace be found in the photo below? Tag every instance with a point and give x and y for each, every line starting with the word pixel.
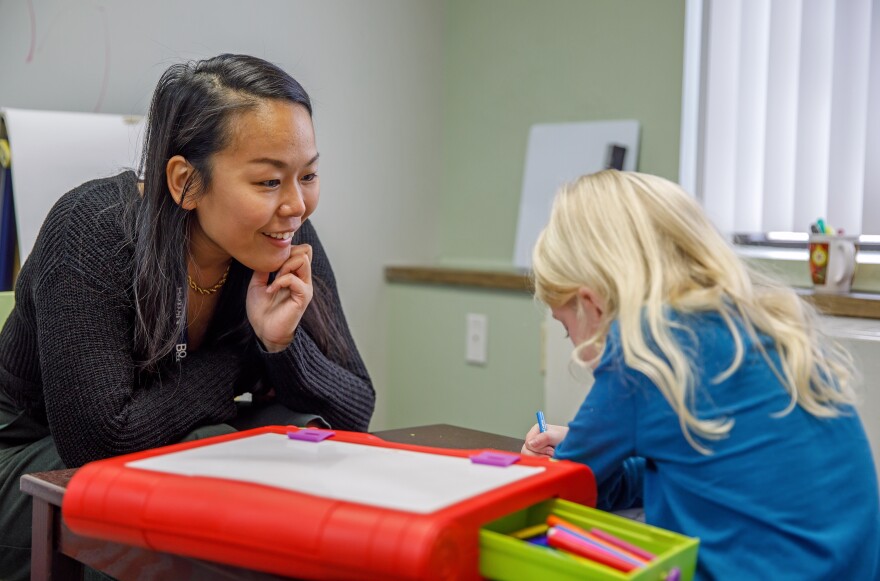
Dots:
pixel 213 289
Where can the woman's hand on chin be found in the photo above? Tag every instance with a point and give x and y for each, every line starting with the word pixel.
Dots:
pixel 275 310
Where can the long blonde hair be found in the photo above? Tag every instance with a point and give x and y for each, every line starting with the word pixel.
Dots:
pixel 645 246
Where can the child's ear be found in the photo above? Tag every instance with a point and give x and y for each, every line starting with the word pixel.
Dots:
pixel 590 301
pixel 179 172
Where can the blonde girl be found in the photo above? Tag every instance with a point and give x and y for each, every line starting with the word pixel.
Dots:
pixel 717 404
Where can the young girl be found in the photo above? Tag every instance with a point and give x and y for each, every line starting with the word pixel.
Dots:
pixel 146 307
pixel 717 402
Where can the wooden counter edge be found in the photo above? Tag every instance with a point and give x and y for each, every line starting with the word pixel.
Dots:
pixel 461 277
pixel 863 305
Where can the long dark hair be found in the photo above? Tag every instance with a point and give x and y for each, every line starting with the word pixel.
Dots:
pixel 190 115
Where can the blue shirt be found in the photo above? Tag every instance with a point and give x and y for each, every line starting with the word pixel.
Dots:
pixel 790 497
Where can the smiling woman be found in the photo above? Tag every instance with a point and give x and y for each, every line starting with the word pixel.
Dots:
pixel 147 306
pixel 264 185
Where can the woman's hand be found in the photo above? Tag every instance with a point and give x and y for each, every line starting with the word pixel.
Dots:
pixel 276 309
pixel 544 444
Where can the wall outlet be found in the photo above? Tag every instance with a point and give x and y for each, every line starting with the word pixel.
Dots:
pixel 476 339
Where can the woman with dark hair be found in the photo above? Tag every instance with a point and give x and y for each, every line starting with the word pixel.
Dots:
pixel 147 306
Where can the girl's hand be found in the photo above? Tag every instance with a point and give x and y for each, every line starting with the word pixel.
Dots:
pixel 544 444
pixel 276 309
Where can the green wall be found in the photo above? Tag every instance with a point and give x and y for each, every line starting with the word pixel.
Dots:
pixel 510 64
pixel 431 382
pixel 513 63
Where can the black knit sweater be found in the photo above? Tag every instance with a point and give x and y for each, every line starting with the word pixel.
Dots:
pixel 66 351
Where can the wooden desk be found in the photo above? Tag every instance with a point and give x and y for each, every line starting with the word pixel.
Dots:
pixel 59 554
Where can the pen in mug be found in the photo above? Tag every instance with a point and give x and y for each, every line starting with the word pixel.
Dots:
pixel 542 425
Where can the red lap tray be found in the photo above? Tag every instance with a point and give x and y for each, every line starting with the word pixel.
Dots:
pixel 316 507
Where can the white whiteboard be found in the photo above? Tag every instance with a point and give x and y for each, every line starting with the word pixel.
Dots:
pixel 558 153
pixel 385 477
pixel 53 152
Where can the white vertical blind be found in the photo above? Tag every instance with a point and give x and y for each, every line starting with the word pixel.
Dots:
pixel 751 115
pixel 790 114
pixel 722 79
pixel 871 201
pixel 814 113
pixel 783 56
pixel 849 111
pixel 690 95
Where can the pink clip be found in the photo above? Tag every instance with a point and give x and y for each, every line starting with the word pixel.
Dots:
pixel 310 435
pixel 495 458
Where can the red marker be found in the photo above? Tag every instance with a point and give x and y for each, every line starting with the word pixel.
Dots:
pixel 559 539
pixel 622 544
pixel 621 548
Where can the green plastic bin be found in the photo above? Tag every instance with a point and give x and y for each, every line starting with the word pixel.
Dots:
pixel 504 558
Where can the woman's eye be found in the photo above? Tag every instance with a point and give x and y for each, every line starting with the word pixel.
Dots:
pixel 310 177
pixel 271 183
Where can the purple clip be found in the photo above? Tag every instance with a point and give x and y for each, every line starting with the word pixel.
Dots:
pixel 310 435
pixel 674 574
pixel 495 458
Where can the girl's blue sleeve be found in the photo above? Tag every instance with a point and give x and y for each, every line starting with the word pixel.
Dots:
pixel 603 433
pixel 625 486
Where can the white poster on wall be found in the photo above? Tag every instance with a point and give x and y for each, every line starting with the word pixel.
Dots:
pixel 558 153
pixel 55 151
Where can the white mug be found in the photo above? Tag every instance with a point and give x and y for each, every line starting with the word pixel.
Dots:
pixel 832 262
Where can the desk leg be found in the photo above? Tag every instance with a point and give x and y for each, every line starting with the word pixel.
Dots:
pixel 47 562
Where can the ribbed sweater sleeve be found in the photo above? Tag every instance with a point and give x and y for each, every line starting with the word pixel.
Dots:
pixel 67 354
pixel 306 379
pixel 97 403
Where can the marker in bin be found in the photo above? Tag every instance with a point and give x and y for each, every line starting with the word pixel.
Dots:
pixel 604 541
pixel 820 227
